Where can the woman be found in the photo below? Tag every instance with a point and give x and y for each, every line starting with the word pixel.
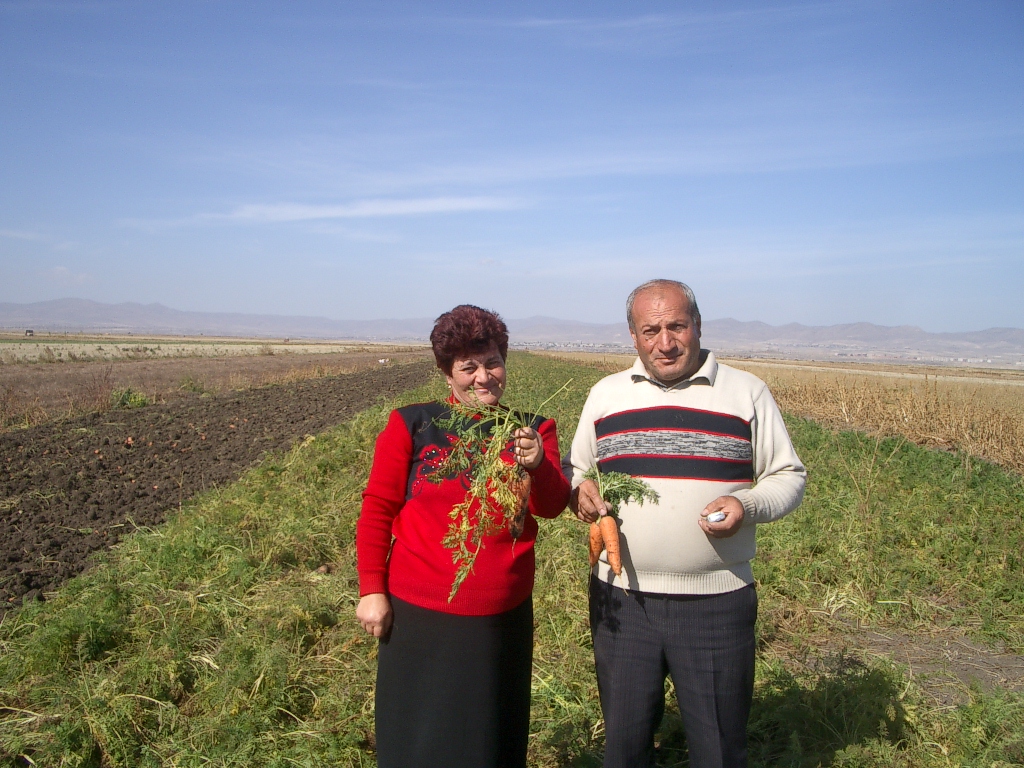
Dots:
pixel 453 674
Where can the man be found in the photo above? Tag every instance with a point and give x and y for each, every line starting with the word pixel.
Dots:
pixel 709 439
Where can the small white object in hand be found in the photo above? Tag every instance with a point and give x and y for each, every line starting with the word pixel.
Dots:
pixel 716 517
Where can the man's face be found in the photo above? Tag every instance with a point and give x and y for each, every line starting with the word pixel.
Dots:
pixel 665 336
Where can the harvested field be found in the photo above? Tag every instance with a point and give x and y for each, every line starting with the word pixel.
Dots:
pixel 981 415
pixel 72 487
pixel 977 411
pixel 50 348
pixel 33 393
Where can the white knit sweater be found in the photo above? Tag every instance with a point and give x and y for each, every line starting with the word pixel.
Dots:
pixel 717 433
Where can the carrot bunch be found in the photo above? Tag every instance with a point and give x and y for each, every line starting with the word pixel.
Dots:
pixel 499 489
pixel 604 537
pixel 615 488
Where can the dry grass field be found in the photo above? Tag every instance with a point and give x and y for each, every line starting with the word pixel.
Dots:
pixel 981 415
pixel 979 412
pixel 74 380
pixel 76 348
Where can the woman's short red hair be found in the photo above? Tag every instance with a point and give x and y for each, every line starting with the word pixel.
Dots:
pixel 467 330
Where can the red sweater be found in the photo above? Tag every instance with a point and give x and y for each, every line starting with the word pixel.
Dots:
pixel 401 503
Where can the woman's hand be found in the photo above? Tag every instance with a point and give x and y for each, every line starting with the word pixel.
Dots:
pixel 529 448
pixel 374 613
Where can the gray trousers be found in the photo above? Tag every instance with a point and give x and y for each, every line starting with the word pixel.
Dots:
pixel 706 642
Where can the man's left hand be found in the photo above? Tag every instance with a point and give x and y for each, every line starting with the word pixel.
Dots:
pixel 733 510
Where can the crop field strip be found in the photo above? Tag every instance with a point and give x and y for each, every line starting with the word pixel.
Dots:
pixel 35 393
pixel 72 487
pixel 978 412
pixel 981 417
pixel 79 348
pixel 226 637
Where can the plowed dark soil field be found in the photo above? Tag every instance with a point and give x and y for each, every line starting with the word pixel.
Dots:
pixel 70 488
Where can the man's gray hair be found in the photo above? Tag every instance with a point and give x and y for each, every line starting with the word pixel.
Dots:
pixel 687 291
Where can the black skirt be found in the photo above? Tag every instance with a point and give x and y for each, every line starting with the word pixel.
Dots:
pixel 454 691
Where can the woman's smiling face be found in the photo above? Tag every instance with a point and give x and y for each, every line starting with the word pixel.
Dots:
pixel 478 378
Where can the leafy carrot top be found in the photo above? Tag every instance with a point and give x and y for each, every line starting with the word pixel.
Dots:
pixel 618 487
pixel 497 488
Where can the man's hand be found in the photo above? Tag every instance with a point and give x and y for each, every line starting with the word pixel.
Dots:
pixel 586 502
pixel 374 613
pixel 733 510
pixel 529 448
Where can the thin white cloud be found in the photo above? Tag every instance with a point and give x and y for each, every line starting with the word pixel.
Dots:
pixel 659 22
pixel 878 246
pixel 281 213
pixel 390 84
pixel 363 209
pixel 673 33
pixel 835 132
pixel 56 6
pixel 20 235
pixel 331 229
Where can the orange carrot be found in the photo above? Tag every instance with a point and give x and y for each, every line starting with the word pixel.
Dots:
pixel 521 488
pixel 610 534
pixel 596 543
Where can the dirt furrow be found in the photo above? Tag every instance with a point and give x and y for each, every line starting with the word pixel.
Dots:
pixel 70 488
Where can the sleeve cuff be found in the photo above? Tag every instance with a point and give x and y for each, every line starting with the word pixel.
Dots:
pixel 372 583
pixel 749 505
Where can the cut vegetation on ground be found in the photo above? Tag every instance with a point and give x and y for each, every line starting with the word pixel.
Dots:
pixel 75 383
pixel 226 636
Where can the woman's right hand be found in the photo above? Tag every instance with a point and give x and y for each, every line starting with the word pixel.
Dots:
pixel 374 613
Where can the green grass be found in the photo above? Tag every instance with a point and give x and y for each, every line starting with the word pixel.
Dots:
pixel 192 384
pixel 123 399
pixel 221 639
pixel 893 534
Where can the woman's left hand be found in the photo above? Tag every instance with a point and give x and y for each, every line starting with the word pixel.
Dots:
pixel 528 449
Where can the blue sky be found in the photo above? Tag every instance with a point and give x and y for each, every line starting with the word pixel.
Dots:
pixel 795 162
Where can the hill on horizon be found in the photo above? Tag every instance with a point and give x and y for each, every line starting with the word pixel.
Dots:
pixel 1003 347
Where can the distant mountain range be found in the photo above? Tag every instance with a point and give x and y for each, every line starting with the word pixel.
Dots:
pixel 1002 347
